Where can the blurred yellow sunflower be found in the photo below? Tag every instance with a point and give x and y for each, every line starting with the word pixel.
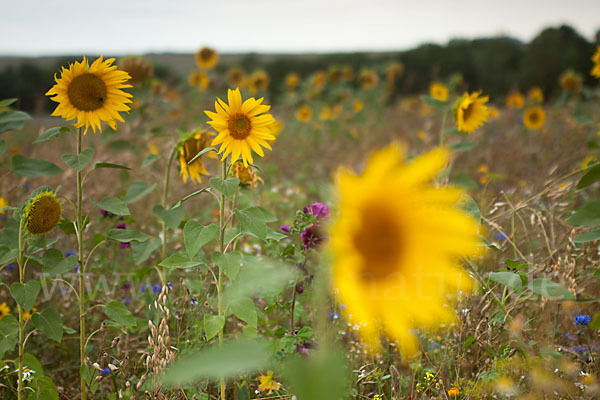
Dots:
pixel 534 118
pixel 4 310
pixel 199 79
pixel 535 94
pixel 334 75
pixel 515 100
pixel 237 77
pixel 206 57
pixel 357 106
pixel 140 69
pixel 304 113
pixel 394 71
pixel 470 112
pixel 396 243
pixel 193 144
pixel 275 128
pixel 258 81
pixel 347 73
pixel 570 81
pixel 91 94
pixel 27 314
pixel 588 161
pixel 3 203
pixel 595 72
pixel 438 91
pixel 243 127
pixel 292 80
pixel 319 79
pixel 368 79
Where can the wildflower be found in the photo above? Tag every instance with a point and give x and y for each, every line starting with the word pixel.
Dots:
pixel 285 228
pixel 438 91
pixel 125 245
pixel 534 118
pixel 139 69
pixel 199 79
pixel 292 80
pixel 319 210
pixel 105 213
pixel 242 127
pixel 570 81
pixel 156 288
pixel 304 113
pixel 188 148
pixel 258 81
pixel 170 285
pixel 69 253
pixel 299 288
pixel 126 300
pixel 27 314
pixel 27 373
pixel 357 106
pixel 582 319
pixel 515 100
pixel 395 244
pixel 453 392
pixel 143 287
pixel 535 95
pixel 122 225
pixel 104 371
pixel 595 72
pixel 312 237
pixel 3 203
pixel 42 213
pixel 368 79
pixel 470 112
pixel 4 310
pixel 268 383
pixel 501 237
pixel 206 57
pixel 10 267
pixel 91 94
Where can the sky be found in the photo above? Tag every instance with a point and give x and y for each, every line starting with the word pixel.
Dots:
pixel 120 27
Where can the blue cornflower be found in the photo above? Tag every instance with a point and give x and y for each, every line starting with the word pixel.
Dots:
pixel 105 371
pixel 10 267
pixel 579 349
pixel 194 301
pixel 156 288
pixel 570 337
pixel 69 253
pixel 501 237
pixel 143 287
pixel 334 315
pixel 582 319
pixel 126 301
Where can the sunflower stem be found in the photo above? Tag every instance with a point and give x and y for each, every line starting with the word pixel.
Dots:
pixel 443 127
pixel 222 226
pixel 167 179
pixel 21 324
pixel 81 298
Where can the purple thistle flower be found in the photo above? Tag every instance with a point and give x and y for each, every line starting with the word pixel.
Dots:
pixel 319 210
pixel 285 228
pixel 104 213
pixel 299 288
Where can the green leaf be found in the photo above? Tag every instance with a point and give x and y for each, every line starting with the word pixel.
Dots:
pixel 127 235
pixel 461 146
pixel 85 373
pixel 9 326
pixel 11 120
pixel 78 162
pixel 50 323
pixel 463 180
pixel 230 263
pixel 254 220
pixel 99 165
pixel 244 309
pixel 228 186
pixel 189 196
pixel 213 325
pixel 469 341
pixel 137 190
pixel 470 206
pixel 180 260
pixel 25 294
pixel 592 174
pixel 260 276
pixel 172 217
pixel 118 312
pixel 551 290
pixel 587 237
pixel 587 215
pixel 113 205
pixel 32 168
pixel 201 153
pixel 2 146
pixel 507 278
pixel 150 159
pixel 196 235
pixel 142 251
pixel 7 102
pixel 44 389
pixel 322 376
pixel 595 323
pixel 231 359
pixel 56 264
pixel 50 133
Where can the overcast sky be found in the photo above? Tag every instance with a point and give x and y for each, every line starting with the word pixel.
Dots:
pixel 54 27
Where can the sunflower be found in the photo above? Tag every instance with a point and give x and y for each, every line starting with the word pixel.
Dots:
pixel 91 94
pixel 534 118
pixel 438 91
pixel 199 79
pixel 595 72
pixel 334 75
pixel 570 81
pixel 275 128
pixel 292 80
pixel 515 100
pixel 368 79
pixel 348 73
pixel 4 310
pixel 42 213
pixel 395 245
pixel 3 203
pixel 193 144
pixel 247 176
pixel 138 68
pixel 470 112
pixel 258 81
pixel 394 71
pixel 206 57
pixel 236 77
pixel 535 95
pixel 357 106
pixel 304 113
pixel 243 127
pixel 319 79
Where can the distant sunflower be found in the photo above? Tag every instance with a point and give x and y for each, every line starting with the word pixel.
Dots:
pixel 206 57
pixel 368 79
pixel 304 113
pixel 334 75
pixel 140 69
pixel 243 127
pixel 199 79
pixel 258 81
pixel 275 128
pixel 348 73
pixel 535 95
pixel 4 310
pixel 3 203
pixel 237 77
pixel 319 80
pixel 438 91
pixel 534 118
pixel 595 72
pixel 91 94
pixel 357 106
pixel 42 213
pixel 470 112
pixel 396 244
pixel 394 71
pixel 292 80
pixel 515 100
pixel 193 144
pixel 570 81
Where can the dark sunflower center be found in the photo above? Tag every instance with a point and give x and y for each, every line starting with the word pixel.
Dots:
pixel 206 54
pixel 87 92
pixel 534 117
pixel 192 147
pixel 378 241
pixel 468 111
pixel 44 215
pixel 239 126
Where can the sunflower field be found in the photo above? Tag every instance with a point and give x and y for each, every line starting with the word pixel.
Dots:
pixel 205 239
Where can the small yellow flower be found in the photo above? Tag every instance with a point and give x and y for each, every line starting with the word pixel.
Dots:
pixel 325 113
pixel 515 100
pixel 483 180
pixel 152 148
pixel 595 72
pixel 438 91
pixel 535 95
pixel 27 314
pixel 206 57
pixel 304 113
pixel 493 112
pixel 471 112
pixel 357 106
pixel 453 392
pixel 268 383
pixel 292 80
pixel 3 203
pixel 4 310
pixel 482 169
pixel 199 79
pixel 534 118
pixel 319 79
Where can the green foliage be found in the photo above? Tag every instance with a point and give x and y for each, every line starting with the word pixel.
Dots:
pixel 118 312
pixel 25 294
pixel 49 322
pixel 32 168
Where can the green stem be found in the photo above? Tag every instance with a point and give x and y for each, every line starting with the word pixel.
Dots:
pixel 81 299
pixel 222 226
pixel 163 252
pixel 21 324
pixel 443 127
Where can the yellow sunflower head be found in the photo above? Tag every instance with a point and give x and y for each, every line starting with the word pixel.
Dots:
pixel 357 106
pixel 247 175
pixel 206 57
pixel 276 127
pixel 140 69
pixel 515 100
pixel 292 80
pixel 534 118
pixel 199 79
pixel 396 244
pixel 258 81
pixel 438 91
pixel 42 213
pixel 334 75
pixel 236 77
pixel 470 112
pixel 189 147
pixel 304 113
pixel 535 95
pixel 91 94
pixel 595 72
pixel 319 79
pixel 570 81
pixel 4 310
pixel 3 203
pixel 243 126
pixel 368 79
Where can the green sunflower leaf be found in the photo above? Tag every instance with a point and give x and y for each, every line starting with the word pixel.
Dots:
pixel 78 162
pixel 32 168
